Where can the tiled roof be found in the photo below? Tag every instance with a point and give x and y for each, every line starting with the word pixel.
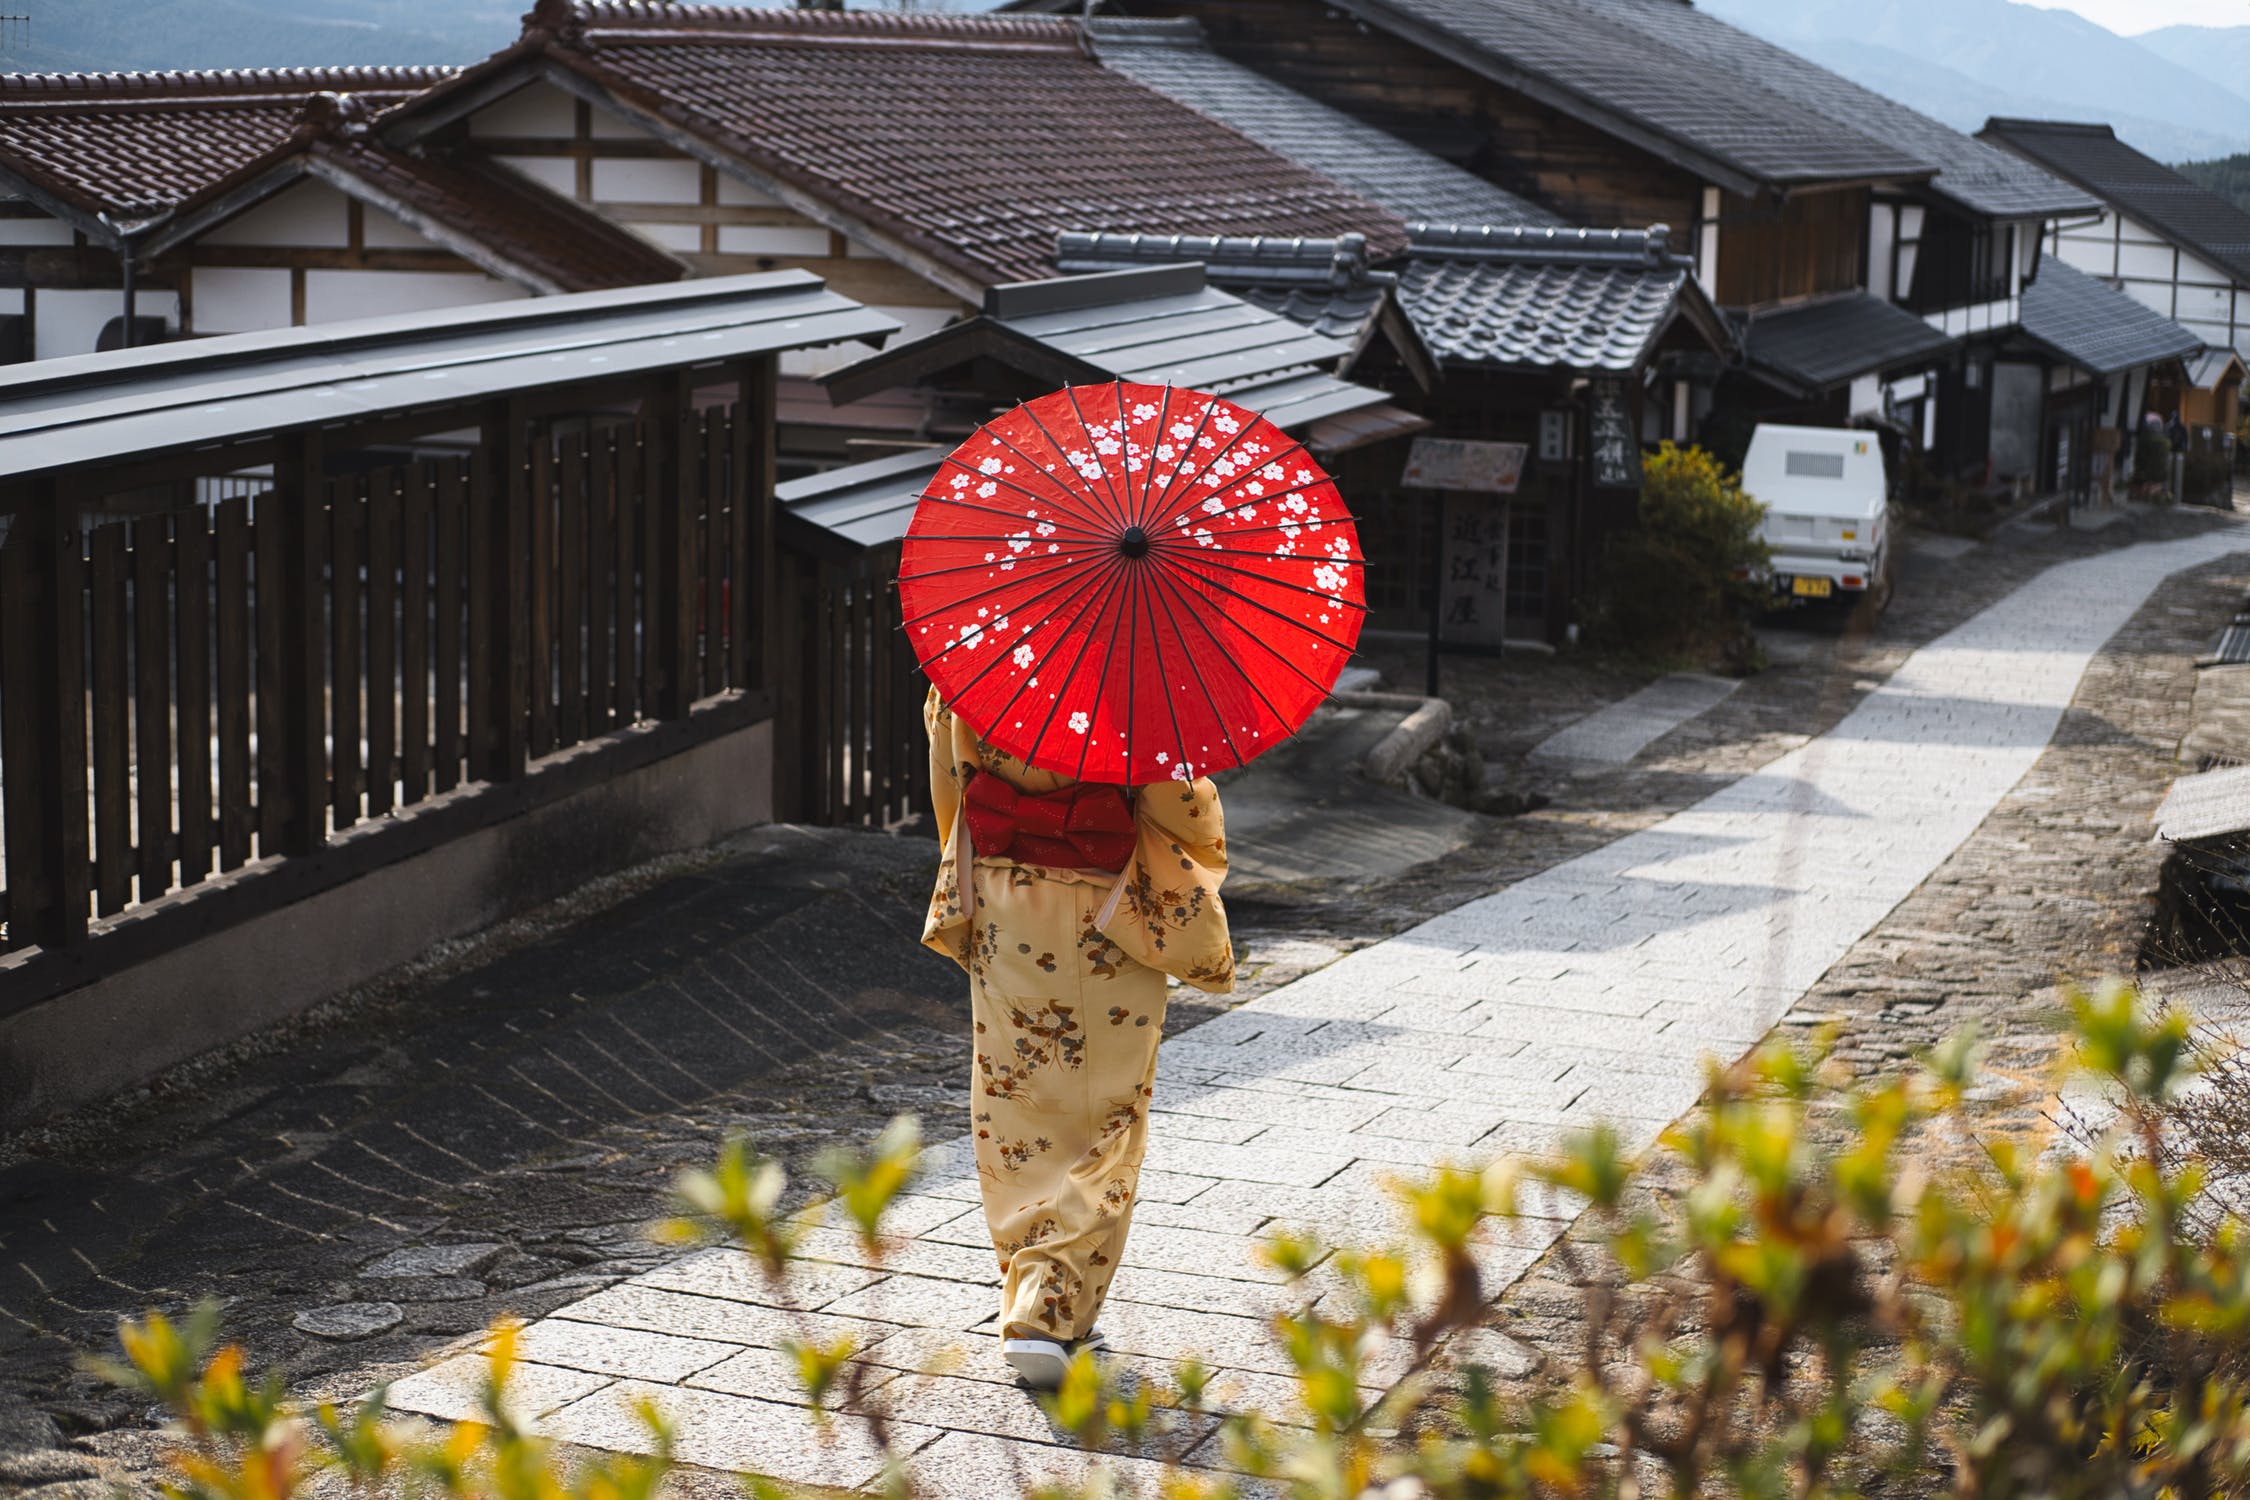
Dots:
pixel 1170 56
pixel 505 223
pixel 1636 67
pixel 1162 326
pixel 1326 284
pixel 2092 156
pixel 1717 57
pixel 2095 326
pixel 135 145
pixel 1684 84
pixel 964 142
pixel 1817 346
pixel 1559 299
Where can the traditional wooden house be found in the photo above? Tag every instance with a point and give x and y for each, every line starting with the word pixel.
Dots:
pixel 236 202
pixel 1793 192
pixel 2175 248
pixel 2100 355
pixel 912 161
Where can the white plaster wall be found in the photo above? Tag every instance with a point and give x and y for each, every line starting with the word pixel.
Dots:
pixel 311 213
pixel 382 231
pixel 671 236
pixel 637 181
pixel 536 110
pixel 71 322
pixel 41 231
pixel 331 296
pixel 556 173
pixel 742 239
pixel 232 299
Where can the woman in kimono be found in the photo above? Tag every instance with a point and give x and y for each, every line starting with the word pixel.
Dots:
pixel 1069 904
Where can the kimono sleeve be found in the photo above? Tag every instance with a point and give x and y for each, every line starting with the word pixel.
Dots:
pixel 946 928
pixel 1169 916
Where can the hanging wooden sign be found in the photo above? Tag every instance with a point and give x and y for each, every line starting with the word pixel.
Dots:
pixel 1617 458
pixel 1458 464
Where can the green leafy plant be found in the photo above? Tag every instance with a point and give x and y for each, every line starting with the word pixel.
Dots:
pixel 1675 584
pixel 1808 1317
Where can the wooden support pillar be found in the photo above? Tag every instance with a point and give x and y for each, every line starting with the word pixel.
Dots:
pixel 300 498
pixel 506 580
pixel 671 426
pixel 43 720
pixel 757 591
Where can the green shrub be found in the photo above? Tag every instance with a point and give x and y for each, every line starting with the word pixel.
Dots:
pixel 2208 478
pixel 2152 457
pixel 1805 1319
pixel 1675 584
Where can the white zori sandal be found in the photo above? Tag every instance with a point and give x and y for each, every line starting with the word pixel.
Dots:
pixel 1038 1363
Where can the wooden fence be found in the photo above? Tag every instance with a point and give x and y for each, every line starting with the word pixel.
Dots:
pixel 205 685
pixel 849 746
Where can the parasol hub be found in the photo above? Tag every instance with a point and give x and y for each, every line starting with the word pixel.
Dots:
pixel 1134 543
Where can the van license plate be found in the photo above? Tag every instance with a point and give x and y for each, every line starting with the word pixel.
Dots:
pixel 1811 588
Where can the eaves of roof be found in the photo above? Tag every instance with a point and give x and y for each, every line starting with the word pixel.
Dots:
pixel 1723 168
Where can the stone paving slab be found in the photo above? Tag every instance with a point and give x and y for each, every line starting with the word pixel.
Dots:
pixel 1615 734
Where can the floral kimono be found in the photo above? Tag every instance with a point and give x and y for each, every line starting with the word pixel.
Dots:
pixel 1066 982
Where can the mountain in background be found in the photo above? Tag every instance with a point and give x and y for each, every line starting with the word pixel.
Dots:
pixel 89 35
pixel 1965 60
pixel 2219 53
pixel 95 35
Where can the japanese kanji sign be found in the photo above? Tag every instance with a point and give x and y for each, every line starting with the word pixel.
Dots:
pixel 1617 458
pixel 1473 591
pixel 1455 464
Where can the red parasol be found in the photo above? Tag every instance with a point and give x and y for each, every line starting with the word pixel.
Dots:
pixel 1132 583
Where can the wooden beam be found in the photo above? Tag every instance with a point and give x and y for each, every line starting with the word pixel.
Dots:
pixel 70 268
pixel 610 149
pixel 325 258
pixel 756 215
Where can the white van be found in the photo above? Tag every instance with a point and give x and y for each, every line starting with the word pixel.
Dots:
pixel 1827 503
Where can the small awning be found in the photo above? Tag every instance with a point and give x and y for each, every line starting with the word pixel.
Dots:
pixel 2093 325
pixel 2210 805
pixel 1162 326
pixel 870 504
pixel 1817 346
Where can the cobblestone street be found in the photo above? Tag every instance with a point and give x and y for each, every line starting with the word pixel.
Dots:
pixel 1906 831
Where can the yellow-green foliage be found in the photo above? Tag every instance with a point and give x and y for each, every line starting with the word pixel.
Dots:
pixel 1673 583
pixel 1804 1320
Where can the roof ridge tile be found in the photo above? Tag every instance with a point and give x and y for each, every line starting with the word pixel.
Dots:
pixel 200 82
pixel 588 19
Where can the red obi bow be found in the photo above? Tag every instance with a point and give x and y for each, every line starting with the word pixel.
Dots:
pixel 1085 826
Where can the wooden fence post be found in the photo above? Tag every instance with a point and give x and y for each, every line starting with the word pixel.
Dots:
pixel 757 588
pixel 672 427
pixel 300 498
pixel 43 722
pixel 507 582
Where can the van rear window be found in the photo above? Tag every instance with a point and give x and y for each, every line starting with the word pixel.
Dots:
pixel 1814 465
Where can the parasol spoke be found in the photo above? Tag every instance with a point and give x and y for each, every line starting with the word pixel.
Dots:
pixel 1092 495
pixel 1221 654
pixel 1044 559
pixel 1284 657
pixel 1001 654
pixel 1078 519
pixel 1266 578
pixel 1327 599
pixel 1030 678
pixel 1237 481
pixel 1124 502
pixel 1062 689
pixel 1077 575
pixel 1074 492
pixel 1241 433
pixel 1171 705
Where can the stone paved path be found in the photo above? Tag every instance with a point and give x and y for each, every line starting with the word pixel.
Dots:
pixel 1591 990
pixel 1615 734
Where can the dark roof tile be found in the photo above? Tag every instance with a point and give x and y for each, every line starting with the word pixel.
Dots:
pixel 1170 56
pixel 2095 326
pixel 1526 298
pixel 971 140
pixel 1818 346
pixel 136 145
